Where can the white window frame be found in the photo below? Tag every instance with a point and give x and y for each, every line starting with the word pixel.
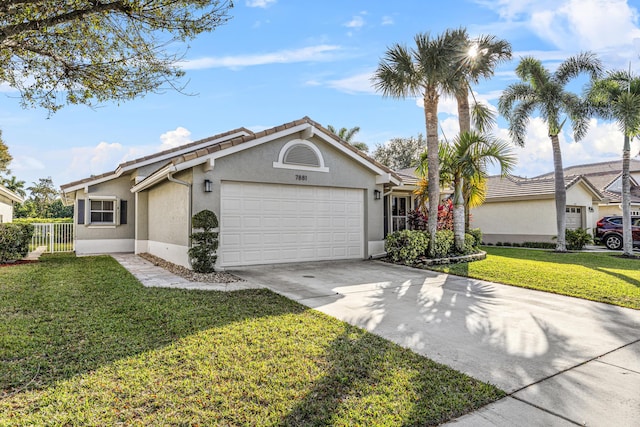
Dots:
pixel 408 205
pixel 280 164
pixel 89 211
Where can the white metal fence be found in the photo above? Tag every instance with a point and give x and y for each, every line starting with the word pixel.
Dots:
pixel 56 237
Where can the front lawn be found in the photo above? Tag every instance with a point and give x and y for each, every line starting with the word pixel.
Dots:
pixel 604 277
pixel 83 343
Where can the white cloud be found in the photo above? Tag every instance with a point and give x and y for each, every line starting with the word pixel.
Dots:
pixel 356 22
pixel 175 138
pixel 359 83
pixel 103 157
pixel 26 164
pixel 387 20
pixel 307 54
pixel 260 3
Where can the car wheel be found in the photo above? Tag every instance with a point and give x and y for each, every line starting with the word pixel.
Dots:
pixel 613 242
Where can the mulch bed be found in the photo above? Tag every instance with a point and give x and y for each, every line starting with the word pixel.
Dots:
pixel 17 262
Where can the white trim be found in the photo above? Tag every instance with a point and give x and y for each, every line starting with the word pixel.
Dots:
pixel 176 254
pixel 141 246
pixel 103 246
pixel 376 248
pixel 280 164
pixel 10 195
pixel 120 170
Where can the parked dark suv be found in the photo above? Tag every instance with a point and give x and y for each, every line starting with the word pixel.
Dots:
pixel 609 231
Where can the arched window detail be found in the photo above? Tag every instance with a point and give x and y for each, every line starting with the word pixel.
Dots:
pixel 300 154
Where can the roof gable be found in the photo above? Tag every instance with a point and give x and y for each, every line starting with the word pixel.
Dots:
pixel 4 191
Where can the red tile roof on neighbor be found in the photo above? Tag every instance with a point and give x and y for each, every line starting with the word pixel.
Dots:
pixel 228 143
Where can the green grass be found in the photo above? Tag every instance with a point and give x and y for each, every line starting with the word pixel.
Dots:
pixel 603 277
pixel 83 343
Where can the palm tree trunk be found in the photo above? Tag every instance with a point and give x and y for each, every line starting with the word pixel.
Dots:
pixel 464 121
pixel 561 195
pixel 458 213
pixel 433 163
pixel 627 237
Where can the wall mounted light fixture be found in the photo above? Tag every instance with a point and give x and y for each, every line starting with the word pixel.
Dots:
pixel 376 194
pixel 208 186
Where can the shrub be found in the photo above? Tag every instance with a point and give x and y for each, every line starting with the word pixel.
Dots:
pixel 443 244
pixel 539 245
pixel 204 243
pixel 476 233
pixel 407 245
pixel 14 241
pixel 417 220
pixel 470 244
pixel 577 239
pixel 42 220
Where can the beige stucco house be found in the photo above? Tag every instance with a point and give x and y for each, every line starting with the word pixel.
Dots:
pixel 520 210
pixel 7 200
pixel 291 193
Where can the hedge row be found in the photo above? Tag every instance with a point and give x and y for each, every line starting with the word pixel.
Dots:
pixel 407 246
pixel 14 241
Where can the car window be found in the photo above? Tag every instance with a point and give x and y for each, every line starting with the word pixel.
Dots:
pixel 635 222
pixel 616 220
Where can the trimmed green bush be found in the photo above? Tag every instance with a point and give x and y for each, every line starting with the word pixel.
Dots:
pixel 470 244
pixel 14 241
pixel 407 245
pixel 42 220
pixel 443 245
pixel 202 254
pixel 477 235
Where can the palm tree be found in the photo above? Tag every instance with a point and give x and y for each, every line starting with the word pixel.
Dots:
pixel 617 97
pixel 465 160
pixel 347 135
pixel 545 92
pixel 426 71
pixel 14 185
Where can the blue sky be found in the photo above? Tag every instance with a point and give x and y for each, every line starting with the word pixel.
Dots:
pixel 279 60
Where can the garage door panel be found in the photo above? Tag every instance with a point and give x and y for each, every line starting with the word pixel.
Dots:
pixel 269 223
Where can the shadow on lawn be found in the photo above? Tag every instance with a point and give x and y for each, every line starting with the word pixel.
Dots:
pixel 66 316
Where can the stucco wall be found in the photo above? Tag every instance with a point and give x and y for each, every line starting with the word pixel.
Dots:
pixel 168 212
pixel 115 188
pixel 6 209
pixel 256 165
pixel 520 221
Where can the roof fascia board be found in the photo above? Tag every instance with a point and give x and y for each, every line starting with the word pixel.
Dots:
pixel 154 178
pixel 83 185
pixel 356 157
pixel 11 195
pixel 174 154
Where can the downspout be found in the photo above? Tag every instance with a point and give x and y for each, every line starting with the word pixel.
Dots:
pixel 189 186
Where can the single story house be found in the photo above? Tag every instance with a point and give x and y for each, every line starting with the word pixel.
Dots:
pixel 518 210
pixel 7 200
pixel 292 193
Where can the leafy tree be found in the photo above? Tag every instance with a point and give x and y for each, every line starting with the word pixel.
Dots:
pixel 202 254
pixel 28 209
pixel 425 71
pixel 617 97
pixel 400 153
pixel 347 135
pixel 58 52
pixel 5 157
pixel 12 184
pixel 57 209
pixel 43 194
pixel 545 92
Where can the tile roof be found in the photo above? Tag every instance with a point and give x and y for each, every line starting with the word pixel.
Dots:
pixel 515 187
pixel 228 143
pixel 151 157
pixel 614 166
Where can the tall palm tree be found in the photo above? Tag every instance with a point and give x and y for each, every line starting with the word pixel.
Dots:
pixel 425 70
pixel 14 185
pixel 617 97
pixel 544 91
pixel 466 160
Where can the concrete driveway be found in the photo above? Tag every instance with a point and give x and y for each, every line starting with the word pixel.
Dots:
pixel 563 360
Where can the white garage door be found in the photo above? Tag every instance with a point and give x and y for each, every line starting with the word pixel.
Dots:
pixel 573 217
pixel 270 223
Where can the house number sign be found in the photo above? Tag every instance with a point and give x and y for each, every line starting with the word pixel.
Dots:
pixel 301 177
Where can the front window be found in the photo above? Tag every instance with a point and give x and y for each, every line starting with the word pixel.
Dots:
pixel 102 211
pixel 399 211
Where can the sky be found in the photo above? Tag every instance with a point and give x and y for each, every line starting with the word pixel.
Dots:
pixel 277 61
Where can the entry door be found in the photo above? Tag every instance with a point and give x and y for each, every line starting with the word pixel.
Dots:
pixel 272 223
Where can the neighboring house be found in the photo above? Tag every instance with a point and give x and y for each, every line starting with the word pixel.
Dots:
pixel 520 210
pixel 7 199
pixel 292 193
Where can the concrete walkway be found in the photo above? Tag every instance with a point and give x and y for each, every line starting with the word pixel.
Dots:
pixel 153 276
pixel 563 360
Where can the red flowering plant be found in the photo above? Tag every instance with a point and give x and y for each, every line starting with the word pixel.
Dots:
pixel 418 219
